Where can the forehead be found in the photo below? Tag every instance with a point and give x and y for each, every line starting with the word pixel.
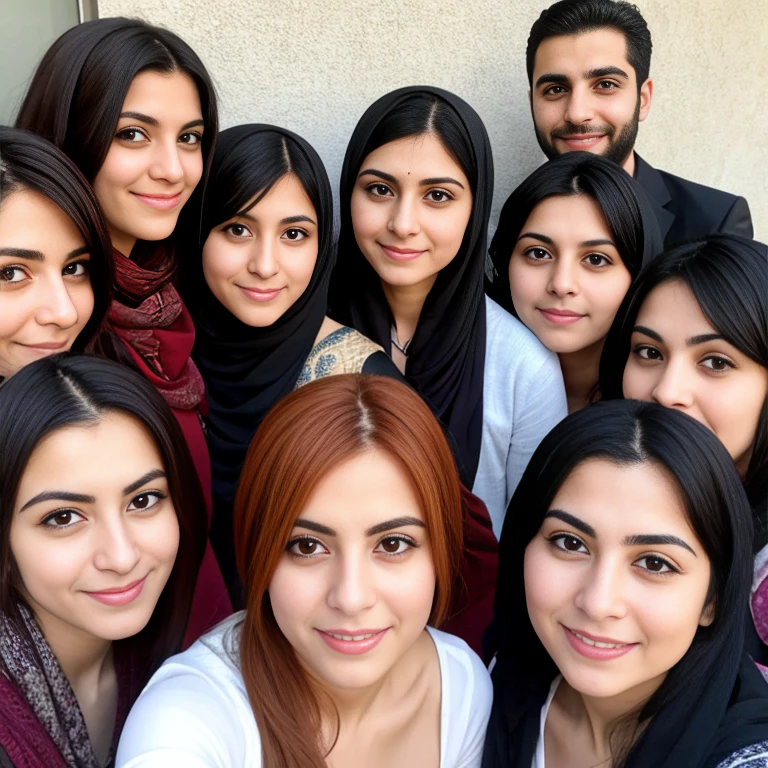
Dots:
pixel 164 96
pixel 576 55
pixel 673 306
pixel 287 197
pixel 571 218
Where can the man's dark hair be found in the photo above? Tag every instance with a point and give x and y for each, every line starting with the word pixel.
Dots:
pixel 575 17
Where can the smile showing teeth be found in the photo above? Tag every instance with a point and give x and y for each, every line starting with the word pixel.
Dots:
pixel 352 638
pixel 598 645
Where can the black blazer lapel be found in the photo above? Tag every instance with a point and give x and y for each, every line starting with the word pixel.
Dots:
pixel 653 183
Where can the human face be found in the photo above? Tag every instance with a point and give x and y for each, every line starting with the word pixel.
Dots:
pixel 155 160
pixel 585 96
pixel 616 562
pixel 678 359
pixel 358 565
pixel 46 296
pixel 94 531
pixel 566 276
pixel 410 207
pixel 259 263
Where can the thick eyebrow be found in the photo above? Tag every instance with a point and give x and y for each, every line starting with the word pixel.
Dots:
pixel 296 220
pixel 537 236
pixel 605 72
pixel 650 540
pixel 75 498
pixel 373 172
pixel 647 332
pixel 23 253
pixel 152 121
pixel 703 339
pixel 572 520
pixel 441 180
pixel 316 527
pixel 593 243
pixel 398 522
pixel 552 77
pixel 143 480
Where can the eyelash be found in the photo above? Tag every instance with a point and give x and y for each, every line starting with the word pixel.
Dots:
pixel 650 348
pixel 45 522
pixel 121 134
pixel 396 537
pixel 614 87
pixel 370 189
pixel 528 253
pixel 10 268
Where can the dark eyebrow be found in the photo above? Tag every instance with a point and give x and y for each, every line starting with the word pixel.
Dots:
pixel 656 540
pixel 537 236
pixel 76 498
pixel 296 220
pixel 143 480
pixel 373 172
pixel 552 77
pixel 316 527
pixel 398 522
pixel 572 520
pixel 152 121
pixel 592 243
pixel 647 332
pixel 441 180
pixel 193 124
pixel 604 72
pixel 703 339
pixel 78 252
pixel 22 253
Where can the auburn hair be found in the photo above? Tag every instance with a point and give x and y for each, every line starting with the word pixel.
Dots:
pixel 305 436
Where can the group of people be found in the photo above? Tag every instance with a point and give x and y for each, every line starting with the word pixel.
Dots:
pixel 274 494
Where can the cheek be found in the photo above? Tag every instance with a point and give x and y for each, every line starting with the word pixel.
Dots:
pixel 605 294
pixel 637 382
pixel 296 593
pixel 368 217
pixel 160 539
pixel 121 167
pixel 526 286
pixel 15 312
pixel 82 298
pixel 192 162
pixel 545 583
pixel 408 589
pixel 221 262
pixel 45 564
pixel 298 265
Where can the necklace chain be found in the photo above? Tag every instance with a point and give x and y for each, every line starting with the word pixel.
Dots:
pixel 396 341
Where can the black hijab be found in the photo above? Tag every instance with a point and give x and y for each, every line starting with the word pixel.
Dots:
pixel 714 701
pixel 246 370
pixel 446 356
pixel 623 202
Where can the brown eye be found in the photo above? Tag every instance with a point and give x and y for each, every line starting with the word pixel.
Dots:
pixel 390 545
pixel 62 518
pixel 571 543
pixel 307 547
pixel 395 545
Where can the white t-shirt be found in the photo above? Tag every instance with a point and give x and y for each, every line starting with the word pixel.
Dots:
pixel 194 712
pixel 523 398
pixel 538 755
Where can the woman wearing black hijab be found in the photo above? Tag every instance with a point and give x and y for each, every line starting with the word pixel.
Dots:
pixel 621 602
pixel 258 297
pixel 416 190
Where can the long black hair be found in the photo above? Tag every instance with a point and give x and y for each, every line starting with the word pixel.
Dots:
pixel 728 276
pixel 31 163
pixel 621 200
pixel 686 717
pixel 78 90
pixel 70 391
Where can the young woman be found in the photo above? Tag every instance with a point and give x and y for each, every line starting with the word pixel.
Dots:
pixel 571 239
pixel 134 107
pixel 258 295
pixel 55 259
pixel 102 536
pixel 622 601
pixel 416 194
pixel 348 528
pixel 692 335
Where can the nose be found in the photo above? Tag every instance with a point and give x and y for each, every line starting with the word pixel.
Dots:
pixel 116 549
pixel 601 594
pixel 166 163
pixel 56 306
pixel 352 589
pixel 562 278
pixel 263 260
pixel 673 388
pixel 404 220
pixel 580 106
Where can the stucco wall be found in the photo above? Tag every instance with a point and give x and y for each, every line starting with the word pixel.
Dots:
pixel 314 65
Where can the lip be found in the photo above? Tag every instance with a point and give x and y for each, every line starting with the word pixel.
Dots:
pixel 582 141
pixel 591 651
pixel 260 294
pixel 50 346
pixel 352 647
pixel 560 316
pixel 400 254
pixel 159 202
pixel 119 595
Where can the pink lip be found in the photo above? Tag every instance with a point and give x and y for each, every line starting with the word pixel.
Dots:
pixel 257 294
pixel 596 654
pixel 352 647
pixel 400 254
pixel 160 202
pixel 581 141
pixel 560 316
pixel 51 346
pixel 119 595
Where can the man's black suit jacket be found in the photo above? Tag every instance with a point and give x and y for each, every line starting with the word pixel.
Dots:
pixel 686 210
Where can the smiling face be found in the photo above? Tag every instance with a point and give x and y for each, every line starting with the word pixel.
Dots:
pixel 615 580
pixel 94 532
pixel 410 207
pixel 678 359
pixel 566 277
pixel 585 96
pixel 46 296
pixel 155 160
pixel 355 585
pixel 259 263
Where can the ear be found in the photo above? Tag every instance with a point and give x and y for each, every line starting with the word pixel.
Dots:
pixel 646 95
pixel 707 615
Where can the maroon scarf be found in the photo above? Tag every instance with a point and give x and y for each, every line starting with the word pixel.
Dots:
pixel 151 320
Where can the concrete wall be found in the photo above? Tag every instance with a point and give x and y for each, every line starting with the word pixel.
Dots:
pixel 314 66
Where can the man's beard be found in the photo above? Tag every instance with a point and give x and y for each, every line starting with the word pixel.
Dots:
pixel 618 148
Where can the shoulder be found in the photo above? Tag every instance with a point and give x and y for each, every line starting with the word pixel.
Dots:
pixel 753 756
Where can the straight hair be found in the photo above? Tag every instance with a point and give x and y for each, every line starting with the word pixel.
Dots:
pixel 64 391
pixel 304 437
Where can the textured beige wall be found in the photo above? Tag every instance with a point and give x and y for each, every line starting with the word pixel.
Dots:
pixel 314 66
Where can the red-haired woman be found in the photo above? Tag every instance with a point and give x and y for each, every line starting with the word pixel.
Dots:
pixel 348 528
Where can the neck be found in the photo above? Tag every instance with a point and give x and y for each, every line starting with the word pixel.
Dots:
pixel 405 303
pixel 629 164
pixel 121 242
pixel 580 374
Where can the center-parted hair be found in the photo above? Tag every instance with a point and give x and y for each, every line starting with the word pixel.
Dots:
pixel 303 438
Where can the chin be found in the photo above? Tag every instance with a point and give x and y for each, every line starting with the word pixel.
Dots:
pixel 596 683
